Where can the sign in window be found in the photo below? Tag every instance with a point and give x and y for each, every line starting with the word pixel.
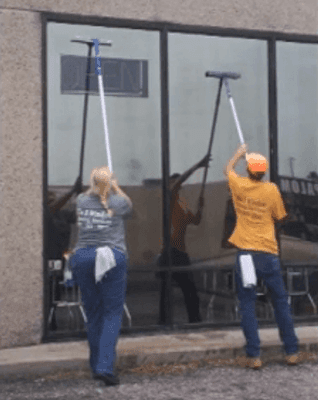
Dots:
pixel 121 77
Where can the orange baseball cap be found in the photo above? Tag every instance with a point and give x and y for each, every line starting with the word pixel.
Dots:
pixel 256 162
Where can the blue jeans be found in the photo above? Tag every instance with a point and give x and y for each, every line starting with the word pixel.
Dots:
pixel 103 303
pixel 267 267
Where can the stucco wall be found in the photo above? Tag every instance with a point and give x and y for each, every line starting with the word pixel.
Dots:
pixel 283 15
pixel 21 235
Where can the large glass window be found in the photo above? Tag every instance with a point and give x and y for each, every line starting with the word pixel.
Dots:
pixel 297 73
pixel 133 122
pixel 131 74
pixel 192 99
pixel 297 77
pixel 204 291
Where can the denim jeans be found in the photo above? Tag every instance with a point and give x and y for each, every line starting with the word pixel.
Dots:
pixel 267 267
pixel 103 303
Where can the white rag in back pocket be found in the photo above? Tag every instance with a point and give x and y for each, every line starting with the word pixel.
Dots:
pixel 248 271
pixel 105 260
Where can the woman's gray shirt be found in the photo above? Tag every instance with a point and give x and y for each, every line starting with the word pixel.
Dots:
pixel 96 227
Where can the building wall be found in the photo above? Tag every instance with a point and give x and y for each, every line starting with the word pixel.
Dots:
pixel 21 283
pixel 284 15
pixel 21 230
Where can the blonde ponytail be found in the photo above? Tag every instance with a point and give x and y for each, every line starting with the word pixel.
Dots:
pixel 101 185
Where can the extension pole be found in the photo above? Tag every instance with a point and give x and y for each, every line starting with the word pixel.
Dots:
pixel 237 123
pixel 216 110
pixel 222 76
pixel 98 72
pixel 87 82
pixel 89 42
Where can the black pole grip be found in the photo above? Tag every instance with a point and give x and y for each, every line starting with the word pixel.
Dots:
pixel 88 69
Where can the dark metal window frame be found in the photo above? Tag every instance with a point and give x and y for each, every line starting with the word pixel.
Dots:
pixel 164 28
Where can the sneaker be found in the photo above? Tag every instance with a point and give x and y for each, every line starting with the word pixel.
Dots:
pixel 109 380
pixel 253 362
pixel 292 359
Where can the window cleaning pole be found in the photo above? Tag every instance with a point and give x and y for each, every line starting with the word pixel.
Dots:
pixel 225 76
pixel 87 89
pixel 98 72
pixel 237 123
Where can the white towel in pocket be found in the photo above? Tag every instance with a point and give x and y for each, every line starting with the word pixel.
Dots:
pixel 105 260
pixel 248 271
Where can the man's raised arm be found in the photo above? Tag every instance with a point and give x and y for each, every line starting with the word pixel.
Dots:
pixel 233 161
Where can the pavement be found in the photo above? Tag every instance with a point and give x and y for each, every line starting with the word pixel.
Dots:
pixel 139 351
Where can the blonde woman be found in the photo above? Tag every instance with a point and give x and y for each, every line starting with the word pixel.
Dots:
pixel 99 267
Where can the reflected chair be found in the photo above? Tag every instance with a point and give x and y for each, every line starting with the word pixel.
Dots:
pixel 297 283
pixel 69 295
pixel 263 298
pixel 227 290
pixel 224 289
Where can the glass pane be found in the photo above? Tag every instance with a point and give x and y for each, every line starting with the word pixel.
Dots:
pixel 297 136
pixel 192 101
pixel 297 78
pixel 133 123
pixel 131 75
pixel 297 108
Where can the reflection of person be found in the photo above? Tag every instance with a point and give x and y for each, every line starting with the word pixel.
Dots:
pixel 180 217
pixel 99 267
pixel 258 205
pixel 58 222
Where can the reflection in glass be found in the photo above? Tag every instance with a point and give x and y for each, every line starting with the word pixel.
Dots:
pixel 134 123
pixel 297 75
pixel 192 98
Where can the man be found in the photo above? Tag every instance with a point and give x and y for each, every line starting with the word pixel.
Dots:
pixel 258 205
pixel 180 217
pixel 59 221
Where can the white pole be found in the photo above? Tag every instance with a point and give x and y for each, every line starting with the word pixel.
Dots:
pixel 103 106
pixel 237 123
pixel 102 101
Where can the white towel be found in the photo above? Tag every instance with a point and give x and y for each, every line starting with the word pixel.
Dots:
pixel 248 271
pixel 105 260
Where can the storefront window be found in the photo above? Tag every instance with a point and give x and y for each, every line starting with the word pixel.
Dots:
pixel 192 99
pixel 204 291
pixel 131 75
pixel 297 77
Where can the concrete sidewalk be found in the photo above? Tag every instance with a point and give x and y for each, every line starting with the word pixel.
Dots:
pixel 132 352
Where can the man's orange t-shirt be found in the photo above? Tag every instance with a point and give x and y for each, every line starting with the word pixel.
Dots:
pixel 180 218
pixel 258 205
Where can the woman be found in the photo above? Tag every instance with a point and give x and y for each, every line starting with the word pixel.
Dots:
pixel 99 267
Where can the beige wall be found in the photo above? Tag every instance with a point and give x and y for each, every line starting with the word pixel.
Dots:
pixel 21 232
pixel 284 15
pixel 21 284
